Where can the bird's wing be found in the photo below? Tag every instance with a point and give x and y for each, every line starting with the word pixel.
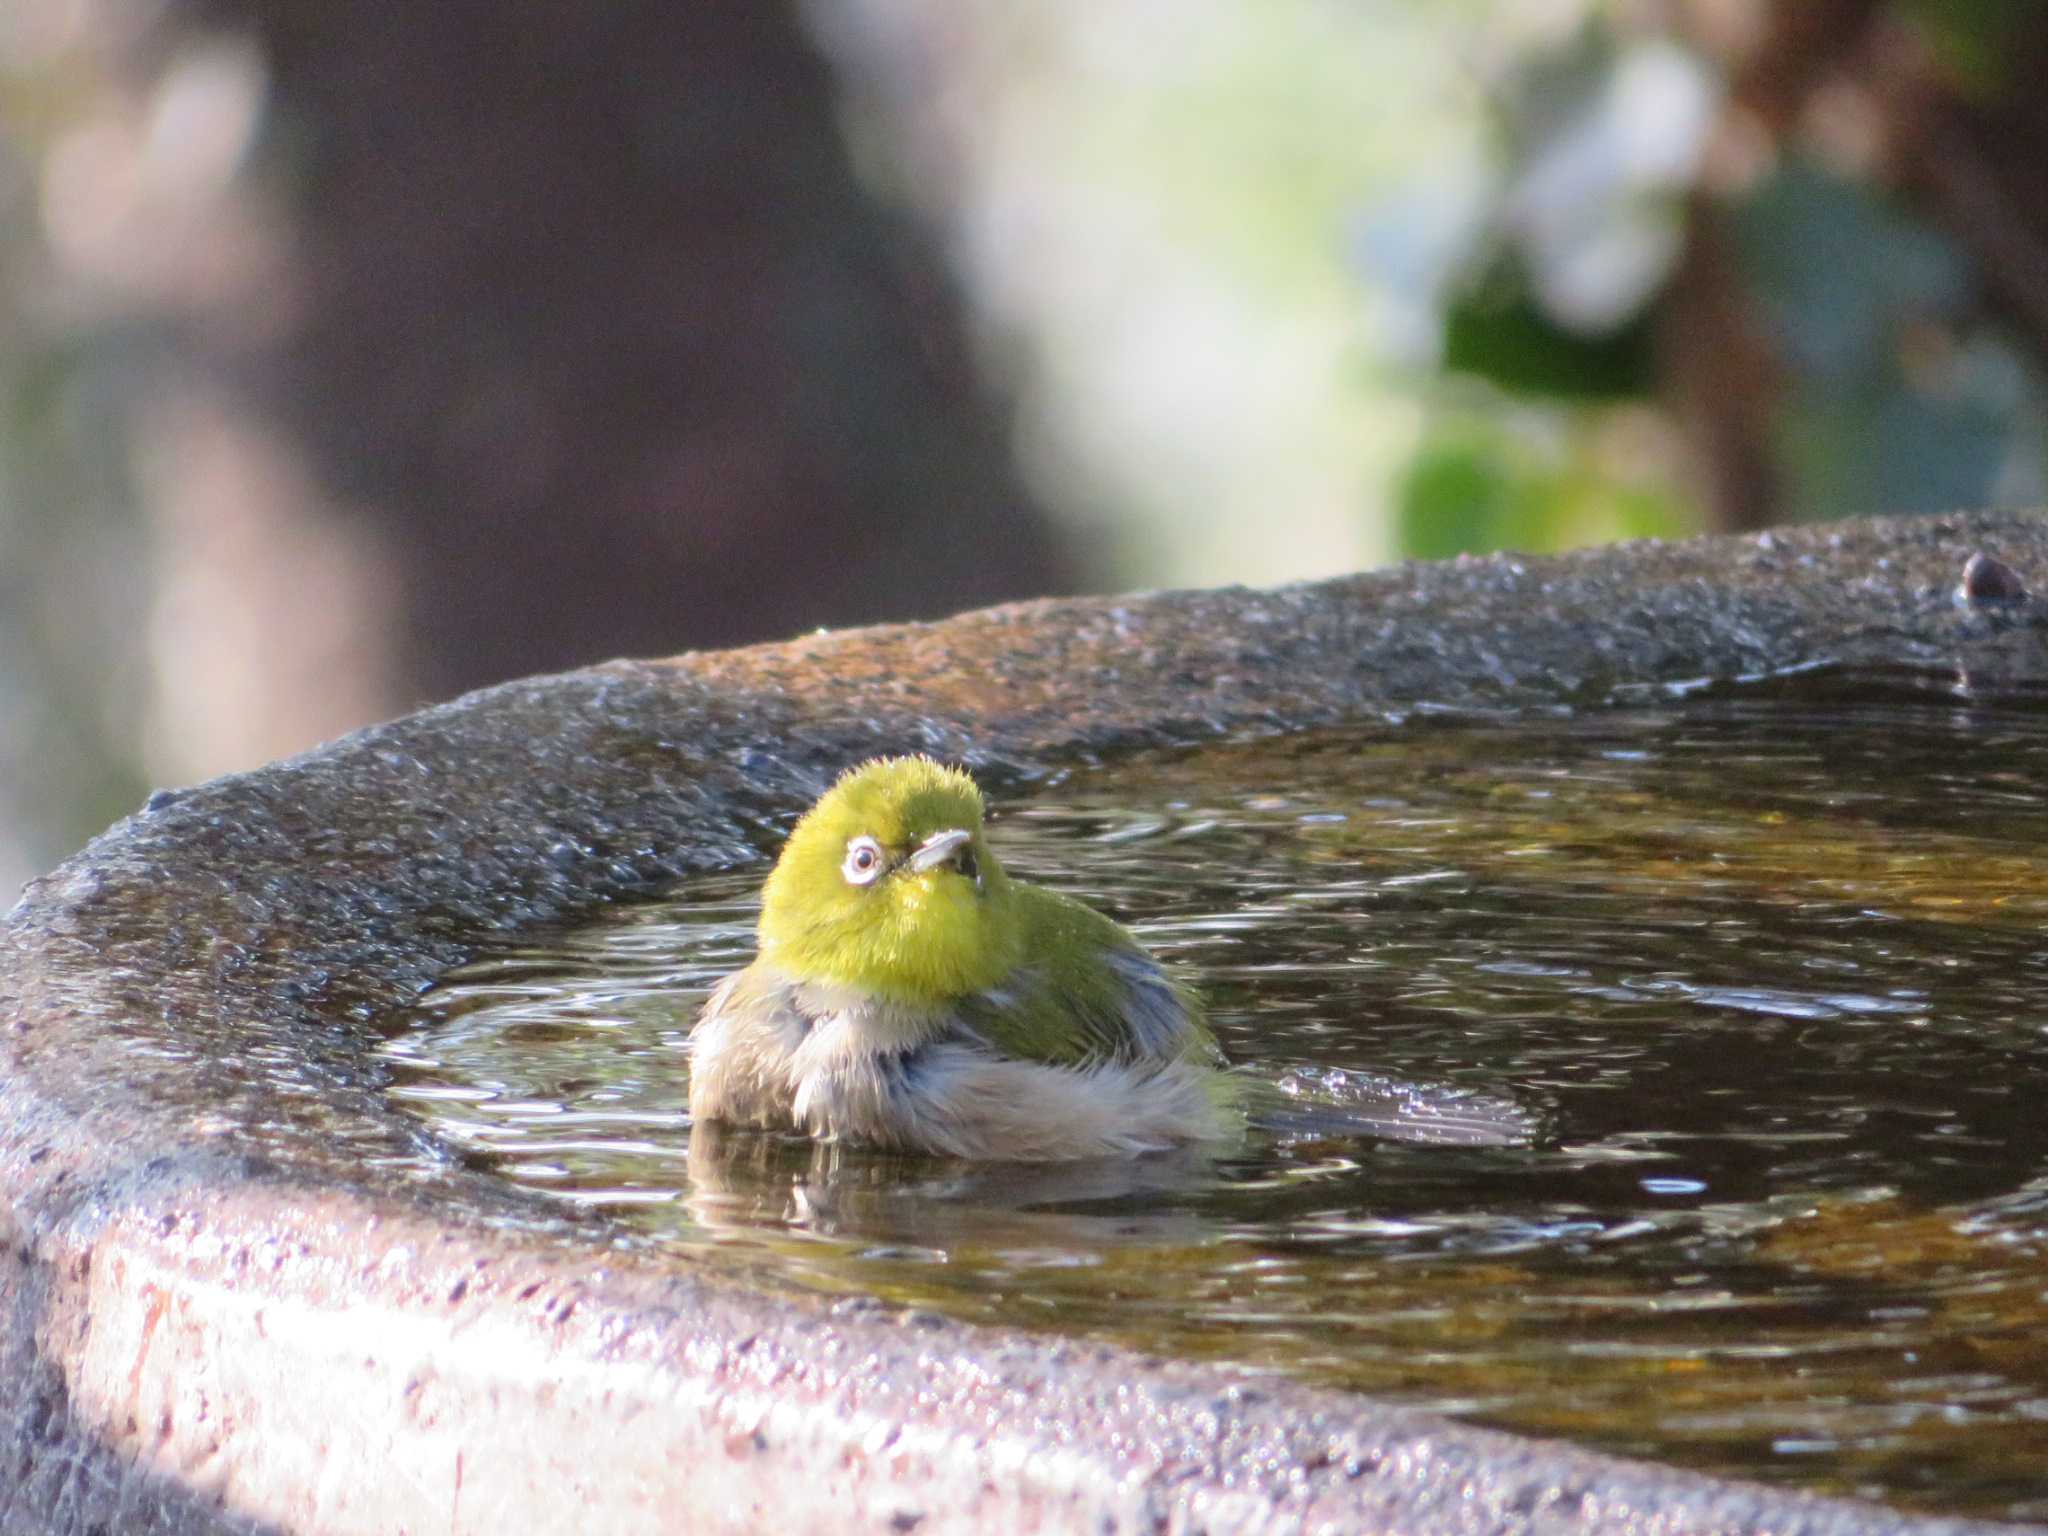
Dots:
pixel 1088 994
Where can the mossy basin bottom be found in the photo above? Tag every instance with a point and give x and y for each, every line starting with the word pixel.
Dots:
pixel 1753 982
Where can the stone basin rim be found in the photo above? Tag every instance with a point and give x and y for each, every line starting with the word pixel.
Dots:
pixel 183 1255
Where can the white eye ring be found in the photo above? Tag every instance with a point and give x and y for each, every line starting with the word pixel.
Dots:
pixel 863 862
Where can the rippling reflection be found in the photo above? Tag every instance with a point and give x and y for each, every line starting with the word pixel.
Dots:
pixel 1765 969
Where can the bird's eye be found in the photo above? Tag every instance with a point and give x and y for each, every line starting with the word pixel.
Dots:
pixel 863 861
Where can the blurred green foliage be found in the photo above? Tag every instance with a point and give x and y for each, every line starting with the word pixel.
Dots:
pixel 1897 399
pixel 72 572
pixel 1498 332
pixel 1978 41
pixel 1895 383
pixel 1478 485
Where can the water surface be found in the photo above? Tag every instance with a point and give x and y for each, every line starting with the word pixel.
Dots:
pixel 1763 966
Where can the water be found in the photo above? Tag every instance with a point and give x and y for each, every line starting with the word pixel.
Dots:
pixel 1765 968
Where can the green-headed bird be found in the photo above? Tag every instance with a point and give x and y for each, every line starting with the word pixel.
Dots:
pixel 908 993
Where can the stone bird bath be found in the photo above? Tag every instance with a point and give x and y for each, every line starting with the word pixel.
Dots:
pixel 241 1293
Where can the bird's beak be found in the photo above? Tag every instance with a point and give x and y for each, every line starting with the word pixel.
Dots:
pixel 939 848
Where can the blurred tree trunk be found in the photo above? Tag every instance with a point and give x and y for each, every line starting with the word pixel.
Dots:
pixel 591 336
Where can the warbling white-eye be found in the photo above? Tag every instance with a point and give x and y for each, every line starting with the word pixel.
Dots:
pixel 908 993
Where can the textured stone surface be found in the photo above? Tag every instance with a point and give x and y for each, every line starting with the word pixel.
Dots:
pixel 239 1292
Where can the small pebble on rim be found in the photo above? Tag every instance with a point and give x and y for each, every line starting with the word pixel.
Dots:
pixel 1986 580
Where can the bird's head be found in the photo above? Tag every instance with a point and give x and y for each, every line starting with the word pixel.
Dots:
pixel 887 887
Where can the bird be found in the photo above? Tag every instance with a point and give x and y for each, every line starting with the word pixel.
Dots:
pixel 908 993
